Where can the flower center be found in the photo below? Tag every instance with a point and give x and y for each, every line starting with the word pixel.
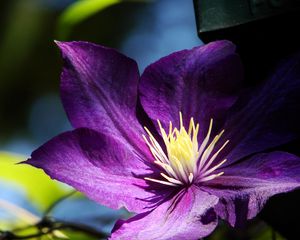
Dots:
pixel 185 161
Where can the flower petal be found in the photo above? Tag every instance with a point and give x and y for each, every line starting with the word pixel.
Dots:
pixel 96 164
pixel 245 187
pixel 201 83
pixel 187 216
pixel 99 91
pixel 268 116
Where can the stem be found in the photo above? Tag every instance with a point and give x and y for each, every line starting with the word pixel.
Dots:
pixel 58 201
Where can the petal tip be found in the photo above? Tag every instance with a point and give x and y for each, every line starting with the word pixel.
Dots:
pixel 62 45
pixel 28 161
pixel 58 43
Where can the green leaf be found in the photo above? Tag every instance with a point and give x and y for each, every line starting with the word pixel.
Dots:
pixel 79 11
pixel 40 189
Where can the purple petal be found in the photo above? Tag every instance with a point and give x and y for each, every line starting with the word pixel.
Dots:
pixel 187 216
pixel 201 83
pixel 268 116
pixel 96 164
pixel 245 187
pixel 99 91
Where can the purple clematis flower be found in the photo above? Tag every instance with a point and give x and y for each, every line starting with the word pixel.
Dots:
pixel 179 146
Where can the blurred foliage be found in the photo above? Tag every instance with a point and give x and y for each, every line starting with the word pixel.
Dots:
pixel 54 230
pixel 79 11
pixel 20 58
pixel 78 236
pixel 40 189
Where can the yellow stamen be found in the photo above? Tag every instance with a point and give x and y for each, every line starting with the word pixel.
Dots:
pixel 185 161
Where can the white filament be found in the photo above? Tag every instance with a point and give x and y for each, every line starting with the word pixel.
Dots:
pixel 185 161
